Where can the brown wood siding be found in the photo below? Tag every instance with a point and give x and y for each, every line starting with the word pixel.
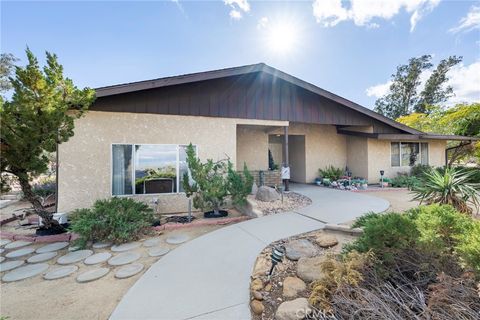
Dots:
pixel 249 96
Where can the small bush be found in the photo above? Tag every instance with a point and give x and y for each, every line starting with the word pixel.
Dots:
pixel 331 173
pixel 405 181
pixel 117 220
pixel 239 185
pixel 468 247
pixel 419 170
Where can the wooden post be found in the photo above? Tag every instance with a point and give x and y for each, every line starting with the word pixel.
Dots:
pixel 285 147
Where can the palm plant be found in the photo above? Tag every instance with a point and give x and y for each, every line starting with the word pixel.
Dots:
pixel 451 187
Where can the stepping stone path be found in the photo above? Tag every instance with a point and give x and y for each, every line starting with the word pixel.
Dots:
pixel 92 275
pixel 75 256
pixel 297 249
pixel 41 257
pixel 128 270
pixel 60 272
pixel 4 242
pixel 25 272
pixel 177 239
pixel 73 248
pixel 17 244
pixel 98 258
pixel 2 259
pixel 151 242
pixel 101 245
pixel 52 247
pixel 157 251
pixel 20 252
pixel 125 246
pixel 9 265
pixel 2 251
pixel 124 258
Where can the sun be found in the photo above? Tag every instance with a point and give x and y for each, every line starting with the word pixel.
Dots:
pixel 282 37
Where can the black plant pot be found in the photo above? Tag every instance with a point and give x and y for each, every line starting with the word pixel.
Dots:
pixel 55 229
pixel 212 214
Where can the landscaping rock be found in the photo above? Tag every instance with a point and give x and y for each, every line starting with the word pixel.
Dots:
pixel 41 257
pixel 326 240
pixel 292 286
pixel 60 272
pixel 151 242
pixel 4 242
pixel 98 258
pixel 9 265
pixel 254 189
pixel 101 245
pixel 256 285
pixel 124 258
pixel 257 295
pixel 17 244
pixel 125 246
pixel 297 249
pixel 267 194
pixel 177 239
pixel 25 272
pixel 293 310
pixel 158 251
pixel 20 252
pixel 2 259
pixel 128 270
pixel 74 256
pixel 92 275
pixel 308 269
pixel 262 266
pixel 2 251
pixel 268 287
pixel 52 247
pixel 257 307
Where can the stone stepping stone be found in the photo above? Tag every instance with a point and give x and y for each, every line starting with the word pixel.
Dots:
pixel 9 265
pixel 92 275
pixel 2 251
pixel 41 257
pixel 25 272
pixel 125 246
pixel 151 242
pixel 4 242
pixel 124 258
pixel 74 248
pixel 157 251
pixel 177 239
pixel 101 245
pixel 128 270
pixel 20 252
pixel 2 259
pixel 60 272
pixel 17 244
pixel 52 247
pixel 98 258
pixel 74 256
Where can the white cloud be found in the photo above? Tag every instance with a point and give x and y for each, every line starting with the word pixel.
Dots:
pixel 262 23
pixel 237 8
pixel 465 81
pixel 470 22
pixel 362 12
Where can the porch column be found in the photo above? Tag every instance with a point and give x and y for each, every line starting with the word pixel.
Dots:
pixel 285 148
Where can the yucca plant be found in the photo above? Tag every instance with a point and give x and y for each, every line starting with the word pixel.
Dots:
pixel 451 187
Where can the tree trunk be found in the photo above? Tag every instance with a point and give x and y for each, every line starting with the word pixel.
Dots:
pixel 47 217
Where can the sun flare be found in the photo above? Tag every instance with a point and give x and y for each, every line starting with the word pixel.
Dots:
pixel 282 38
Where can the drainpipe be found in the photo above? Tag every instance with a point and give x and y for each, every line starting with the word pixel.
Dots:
pixel 285 143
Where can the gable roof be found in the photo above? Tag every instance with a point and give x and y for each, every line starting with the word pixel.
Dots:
pixel 260 67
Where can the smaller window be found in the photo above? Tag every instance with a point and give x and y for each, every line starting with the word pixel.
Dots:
pixel 395 154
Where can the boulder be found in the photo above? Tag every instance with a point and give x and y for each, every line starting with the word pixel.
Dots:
pixel 308 269
pixel 292 286
pixel 254 189
pixel 267 194
pixel 293 310
pixel 297 249
pixel 262 266
pixel 257 295
pixel 326 240
pixel 256 285
pixel 257 307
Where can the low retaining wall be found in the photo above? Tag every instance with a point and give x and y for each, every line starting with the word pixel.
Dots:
pixel 271 178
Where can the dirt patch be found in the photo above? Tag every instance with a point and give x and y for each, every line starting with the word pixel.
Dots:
pixel 291 201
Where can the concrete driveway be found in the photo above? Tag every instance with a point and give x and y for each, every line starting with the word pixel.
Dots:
pixel 209 277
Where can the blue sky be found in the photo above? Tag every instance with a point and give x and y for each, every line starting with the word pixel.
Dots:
pixel 349 48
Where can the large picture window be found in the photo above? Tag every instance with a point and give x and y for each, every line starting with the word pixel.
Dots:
pixel 148 168
pixel 409 154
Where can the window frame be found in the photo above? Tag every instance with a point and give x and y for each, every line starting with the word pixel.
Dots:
pixel 177 183
pixel 400 153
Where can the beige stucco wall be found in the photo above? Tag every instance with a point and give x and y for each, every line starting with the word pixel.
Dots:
pixel 252 147
pixel 296 157
pixel 85 160
pixel 357 156
pixel 379 158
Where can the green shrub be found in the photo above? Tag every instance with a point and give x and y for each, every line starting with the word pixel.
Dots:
pixel 419 170
pixel 116 220
pixel 331 173
pixel 239 186
pixel 474 173
pixel 468 247
pixel 404 181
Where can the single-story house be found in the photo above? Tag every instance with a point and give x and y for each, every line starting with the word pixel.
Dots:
pixel 132 140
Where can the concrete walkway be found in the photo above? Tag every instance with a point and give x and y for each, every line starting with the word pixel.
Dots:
pixel 209 277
